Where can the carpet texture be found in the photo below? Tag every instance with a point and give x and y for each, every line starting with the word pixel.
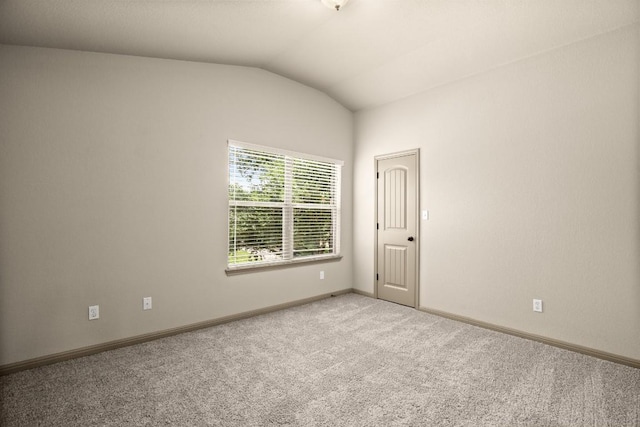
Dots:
pixel 343 361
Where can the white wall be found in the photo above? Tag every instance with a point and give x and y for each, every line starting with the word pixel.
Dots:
pixel 531 176
pixel 113 188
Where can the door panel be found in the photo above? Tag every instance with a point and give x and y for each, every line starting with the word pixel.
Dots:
pixel 397 225
pixel 395 194
pixel 395 266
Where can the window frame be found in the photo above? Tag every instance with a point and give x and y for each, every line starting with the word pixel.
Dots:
pixel 288 208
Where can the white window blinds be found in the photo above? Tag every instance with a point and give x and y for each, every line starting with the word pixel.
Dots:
pixel 283 206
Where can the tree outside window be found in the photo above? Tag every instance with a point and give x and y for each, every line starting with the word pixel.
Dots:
pixel 282 206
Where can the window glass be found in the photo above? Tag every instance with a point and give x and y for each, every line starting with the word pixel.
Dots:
pixel 283 206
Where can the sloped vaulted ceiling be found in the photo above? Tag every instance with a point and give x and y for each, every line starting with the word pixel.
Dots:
pixel 370 53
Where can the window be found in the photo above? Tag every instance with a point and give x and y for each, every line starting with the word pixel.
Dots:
pixel 284 207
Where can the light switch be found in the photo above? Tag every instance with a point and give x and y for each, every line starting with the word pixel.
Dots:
pixel 425 215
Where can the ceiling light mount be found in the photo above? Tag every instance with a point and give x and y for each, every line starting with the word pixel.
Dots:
pixel 335 4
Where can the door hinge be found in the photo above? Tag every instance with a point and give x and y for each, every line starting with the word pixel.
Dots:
pixel 377 175
pixel 376 276
pixel 377 226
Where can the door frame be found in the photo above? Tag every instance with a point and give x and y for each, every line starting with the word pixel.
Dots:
pixel 376 159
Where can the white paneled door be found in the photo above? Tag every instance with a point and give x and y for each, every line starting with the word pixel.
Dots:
pixel 397 238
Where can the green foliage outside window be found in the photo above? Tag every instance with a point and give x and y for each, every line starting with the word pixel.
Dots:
pixel 271 193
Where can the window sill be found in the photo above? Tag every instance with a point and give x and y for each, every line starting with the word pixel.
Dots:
pixel 294 263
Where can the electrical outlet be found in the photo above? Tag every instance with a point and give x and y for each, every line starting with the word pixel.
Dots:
pixel 146 303
pixel 322 275
pixel 537 305
pixel 94 312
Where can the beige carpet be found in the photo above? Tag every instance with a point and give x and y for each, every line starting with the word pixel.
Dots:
pixel 343 361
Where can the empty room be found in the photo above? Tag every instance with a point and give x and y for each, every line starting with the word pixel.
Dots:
pixel 320 212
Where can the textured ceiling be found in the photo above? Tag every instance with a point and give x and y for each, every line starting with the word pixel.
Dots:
pixel 370 53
